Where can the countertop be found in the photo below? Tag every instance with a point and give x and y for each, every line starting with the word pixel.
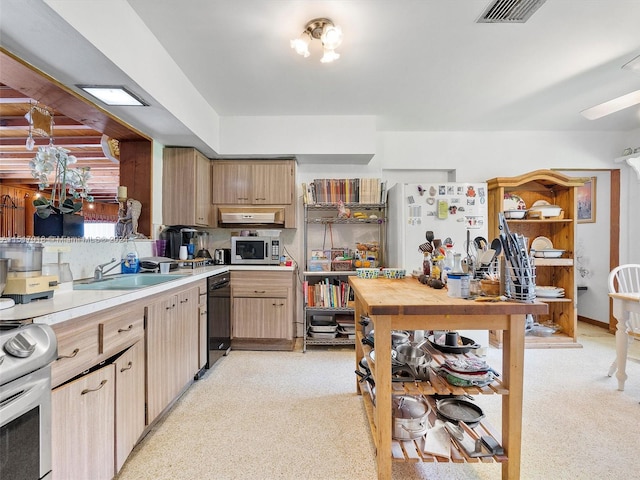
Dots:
pixel 67 303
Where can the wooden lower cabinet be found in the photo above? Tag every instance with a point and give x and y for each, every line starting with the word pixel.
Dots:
pixel 261 318
pixel 130 401
pixel 203 340
pixel 172 332
pixel 262 309
pixel 136 357
pixel 82 427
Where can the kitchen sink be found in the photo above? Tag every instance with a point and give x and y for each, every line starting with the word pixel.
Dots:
pixel 126 282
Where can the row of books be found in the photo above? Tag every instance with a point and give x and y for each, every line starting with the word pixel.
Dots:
pixel 347 190
pixel 326 294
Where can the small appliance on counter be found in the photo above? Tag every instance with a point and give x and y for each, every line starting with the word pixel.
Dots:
pixel 202 248
pixel 222 256
pixel 25 281
pixel 251 250
pixel 152 264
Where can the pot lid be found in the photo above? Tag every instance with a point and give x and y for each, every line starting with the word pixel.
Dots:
pixel 408 407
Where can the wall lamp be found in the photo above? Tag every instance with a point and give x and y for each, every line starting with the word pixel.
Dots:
pixel 321 29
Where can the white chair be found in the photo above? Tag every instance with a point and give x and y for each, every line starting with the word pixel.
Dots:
pixel 625 279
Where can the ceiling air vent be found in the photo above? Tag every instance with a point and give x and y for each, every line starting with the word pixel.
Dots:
pixel 509 11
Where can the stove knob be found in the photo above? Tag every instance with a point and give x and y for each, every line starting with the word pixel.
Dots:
pixel 22 345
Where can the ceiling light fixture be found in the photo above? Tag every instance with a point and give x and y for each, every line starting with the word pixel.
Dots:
pixel 321 29
pixel 115 95
pixel 619 103
pixel 612 106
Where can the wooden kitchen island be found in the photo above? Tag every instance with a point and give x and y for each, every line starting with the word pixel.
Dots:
pixel 409 305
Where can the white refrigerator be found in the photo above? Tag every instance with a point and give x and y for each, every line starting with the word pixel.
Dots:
pixel 455 211
pixel 450 210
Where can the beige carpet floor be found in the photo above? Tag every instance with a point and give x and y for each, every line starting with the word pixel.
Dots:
pixel 293 415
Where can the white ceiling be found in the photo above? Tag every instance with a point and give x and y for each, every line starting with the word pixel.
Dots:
pixel 416 65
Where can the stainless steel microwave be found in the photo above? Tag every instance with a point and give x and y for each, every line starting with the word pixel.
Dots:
pixel 255 250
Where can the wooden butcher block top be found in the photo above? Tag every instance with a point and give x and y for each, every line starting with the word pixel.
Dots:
pixel 384 296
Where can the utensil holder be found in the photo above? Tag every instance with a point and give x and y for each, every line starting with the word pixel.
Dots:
pixel 520 283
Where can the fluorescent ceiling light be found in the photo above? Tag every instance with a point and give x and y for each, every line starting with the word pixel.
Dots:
pixel 113 95
pixel 612 106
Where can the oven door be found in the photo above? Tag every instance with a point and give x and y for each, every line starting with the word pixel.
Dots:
pixel 25 426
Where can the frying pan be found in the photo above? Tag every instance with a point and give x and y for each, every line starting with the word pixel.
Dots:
pixel 467 344
pixel 457 409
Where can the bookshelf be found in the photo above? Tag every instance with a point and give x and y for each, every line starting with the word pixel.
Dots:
pixel 353 213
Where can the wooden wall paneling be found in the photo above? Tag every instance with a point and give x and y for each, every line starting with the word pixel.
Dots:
pixel 136 169
pixel 614 239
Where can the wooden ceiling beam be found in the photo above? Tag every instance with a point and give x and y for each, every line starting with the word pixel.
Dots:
pixel 24 78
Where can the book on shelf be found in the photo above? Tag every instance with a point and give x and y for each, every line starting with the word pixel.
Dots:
pixel 327 293
pixel 347 190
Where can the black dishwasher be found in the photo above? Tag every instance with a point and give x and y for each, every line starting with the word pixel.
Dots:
pixel 218 316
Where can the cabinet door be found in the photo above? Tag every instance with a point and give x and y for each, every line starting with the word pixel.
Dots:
pixel 203 190
pixel 272 184
pixel 186 187
pixel 187 328
pixel 161 354
pixel 231 183
pixel 203 340
pixel 82 432
pixel 260 318
pixel 130 401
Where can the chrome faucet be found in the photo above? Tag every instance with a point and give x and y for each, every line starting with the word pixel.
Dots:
pixel 99 272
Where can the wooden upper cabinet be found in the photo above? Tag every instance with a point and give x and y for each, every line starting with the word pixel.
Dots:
pixel 249 182
pixel 186 187
pixel 231 183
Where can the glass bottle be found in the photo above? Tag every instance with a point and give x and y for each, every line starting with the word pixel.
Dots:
pixel 426 264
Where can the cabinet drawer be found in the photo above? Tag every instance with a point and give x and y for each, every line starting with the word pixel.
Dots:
pixel 77 352
pixel 260 292
pixel 119 332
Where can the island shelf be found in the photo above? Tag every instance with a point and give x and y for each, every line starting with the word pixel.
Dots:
pixel 408 305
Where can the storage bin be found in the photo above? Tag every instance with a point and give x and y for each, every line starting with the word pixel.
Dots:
pixel 341 265
pixel 319 265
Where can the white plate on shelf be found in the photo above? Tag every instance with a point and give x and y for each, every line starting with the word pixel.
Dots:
pixel 513 202
pixel 549 291
pixel 548 253
pixel 541 243
pixel 549 295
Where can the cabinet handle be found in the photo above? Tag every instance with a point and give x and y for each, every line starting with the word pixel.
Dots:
pixel 172 306
pixel 261 198
pixel 128 329
pixel 278 304
pixel 259 291
pixel 87 390
pixel 243 198
pixel 184 301
pixel 73 354
pixel 128 367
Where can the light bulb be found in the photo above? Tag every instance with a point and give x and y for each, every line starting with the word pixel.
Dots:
pixel 329 56
pixel 331 37
pixel 301 45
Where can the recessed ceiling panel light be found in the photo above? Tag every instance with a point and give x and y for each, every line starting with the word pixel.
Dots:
pixel 113 95
pixel 612 106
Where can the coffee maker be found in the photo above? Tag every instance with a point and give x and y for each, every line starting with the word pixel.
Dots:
pixel 174 237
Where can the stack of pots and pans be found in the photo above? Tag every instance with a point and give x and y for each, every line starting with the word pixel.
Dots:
pixel 410 417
